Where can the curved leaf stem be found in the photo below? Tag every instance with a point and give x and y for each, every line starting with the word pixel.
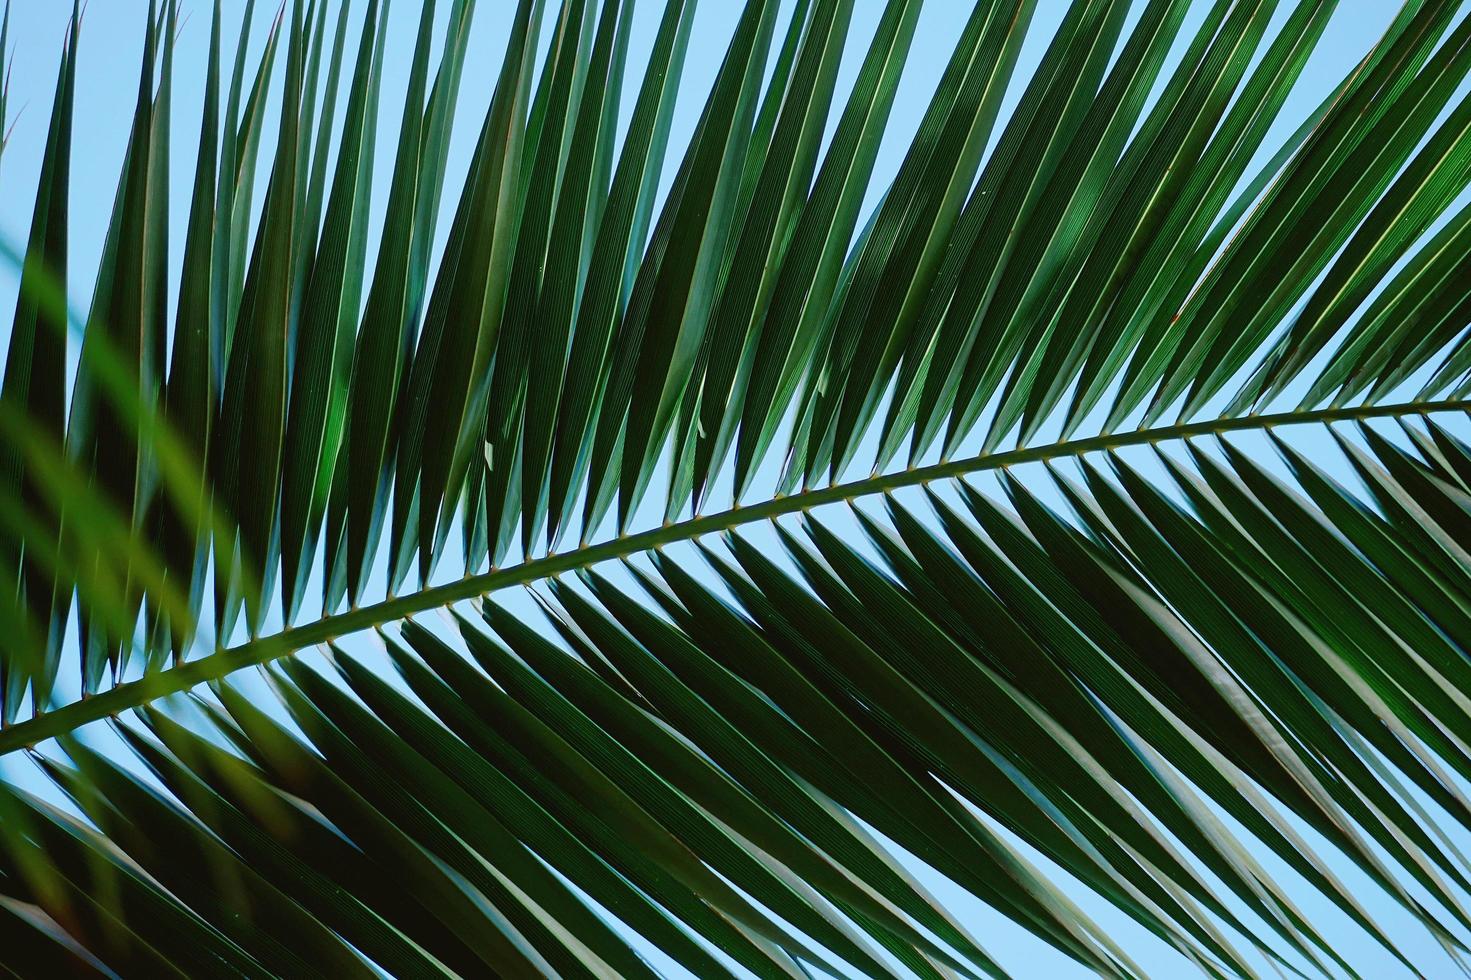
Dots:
pixel 217 665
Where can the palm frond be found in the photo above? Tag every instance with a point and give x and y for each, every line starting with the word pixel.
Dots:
pixel 1085 507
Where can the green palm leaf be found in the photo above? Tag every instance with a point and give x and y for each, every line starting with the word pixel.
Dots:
pixel 1082 510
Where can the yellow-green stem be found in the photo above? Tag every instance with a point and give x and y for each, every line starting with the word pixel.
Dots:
pixel 265 649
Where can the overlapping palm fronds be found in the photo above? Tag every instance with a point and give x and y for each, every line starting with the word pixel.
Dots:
pixel 1092 511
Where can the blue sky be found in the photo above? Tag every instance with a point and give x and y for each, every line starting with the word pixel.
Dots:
pixel 107 85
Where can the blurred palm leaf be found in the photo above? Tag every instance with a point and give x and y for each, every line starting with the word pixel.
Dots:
pixel 1187 664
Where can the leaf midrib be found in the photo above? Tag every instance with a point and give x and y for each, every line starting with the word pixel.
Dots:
pixel 220 664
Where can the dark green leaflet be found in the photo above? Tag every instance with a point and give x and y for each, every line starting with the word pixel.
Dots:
pixel 34 389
